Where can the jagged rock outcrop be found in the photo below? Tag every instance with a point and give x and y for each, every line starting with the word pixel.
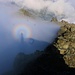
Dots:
pixel 65 43
pixel 61 23
pixel 54 20
pixel 26 13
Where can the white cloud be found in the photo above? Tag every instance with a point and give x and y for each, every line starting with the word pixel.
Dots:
pixel 58 7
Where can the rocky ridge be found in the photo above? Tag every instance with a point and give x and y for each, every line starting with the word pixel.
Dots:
pixel 65 43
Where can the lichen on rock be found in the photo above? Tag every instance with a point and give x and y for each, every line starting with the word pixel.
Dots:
pixel 65 43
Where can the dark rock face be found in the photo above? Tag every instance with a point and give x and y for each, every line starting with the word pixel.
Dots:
pixel 49 63
pixel 66 44
pixel 21 60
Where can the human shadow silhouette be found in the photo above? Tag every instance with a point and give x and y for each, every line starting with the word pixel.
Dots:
pixel 26 46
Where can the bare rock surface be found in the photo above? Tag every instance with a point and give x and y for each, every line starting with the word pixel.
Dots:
pixel 65 43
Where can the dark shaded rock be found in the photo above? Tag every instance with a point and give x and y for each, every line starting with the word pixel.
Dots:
pixel 21 60
pixel 49 63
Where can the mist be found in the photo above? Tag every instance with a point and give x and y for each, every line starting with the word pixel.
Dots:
pixel 62 9
pixel 20 33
